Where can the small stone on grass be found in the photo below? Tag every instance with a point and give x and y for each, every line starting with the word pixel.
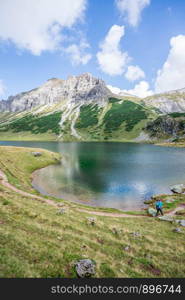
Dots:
pixel 85 268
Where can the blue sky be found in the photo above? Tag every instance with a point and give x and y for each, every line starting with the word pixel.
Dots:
pixel 135 45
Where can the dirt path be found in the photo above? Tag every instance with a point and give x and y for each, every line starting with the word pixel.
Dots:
pixel 115 215
pixel 4 182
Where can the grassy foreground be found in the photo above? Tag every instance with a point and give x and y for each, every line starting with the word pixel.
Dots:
pixel 37 241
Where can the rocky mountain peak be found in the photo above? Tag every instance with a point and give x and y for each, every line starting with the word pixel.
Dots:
pixel 85 87
pixel 83 77
pixel 84 81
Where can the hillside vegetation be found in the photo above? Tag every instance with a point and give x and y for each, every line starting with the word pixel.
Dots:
pixel 83 108
pixel 88 116
pixel 35 124
pixel 117 120
pixel 126 112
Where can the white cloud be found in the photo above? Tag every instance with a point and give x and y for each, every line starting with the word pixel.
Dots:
pixel 132 9
pixel 36 25
pixel 172 74
pixel 78 53
pixel 111 59
pixel 142 90
pixel 114 89
pixel 117 91
pixel 134 73
pixel 2 88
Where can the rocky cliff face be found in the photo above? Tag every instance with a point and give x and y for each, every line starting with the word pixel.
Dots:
pixel 4 105
pixel 75 89
pixel 167 126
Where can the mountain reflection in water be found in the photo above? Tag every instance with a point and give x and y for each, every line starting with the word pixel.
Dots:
pixel 118 175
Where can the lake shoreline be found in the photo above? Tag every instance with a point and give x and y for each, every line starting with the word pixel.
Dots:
pixel 155 143
pixel 179 198
pixel 87 199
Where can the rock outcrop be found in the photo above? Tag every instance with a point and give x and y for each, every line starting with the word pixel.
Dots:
pixel 166 218
pixel 178 188
pixel 84 88
pixel 173 101
pixel 152 212
pixel 166 126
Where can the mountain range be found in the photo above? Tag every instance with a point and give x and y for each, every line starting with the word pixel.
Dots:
pixel 83 108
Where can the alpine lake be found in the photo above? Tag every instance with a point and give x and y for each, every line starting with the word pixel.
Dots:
pixel 108 174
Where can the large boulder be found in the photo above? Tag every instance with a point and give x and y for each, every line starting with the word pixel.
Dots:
pixel 178 188
pixel 152 212
pixel 85 268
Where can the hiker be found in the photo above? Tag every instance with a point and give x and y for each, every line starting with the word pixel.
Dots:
pixel 159 206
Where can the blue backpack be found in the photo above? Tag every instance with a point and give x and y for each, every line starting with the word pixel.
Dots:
pixel 158 204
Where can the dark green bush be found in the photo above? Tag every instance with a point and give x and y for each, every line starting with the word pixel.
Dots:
pixel 128 112
pixel 177 115
pixel 36 124
pixel 88 116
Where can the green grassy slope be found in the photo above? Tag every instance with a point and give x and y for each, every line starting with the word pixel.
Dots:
pixel 122 120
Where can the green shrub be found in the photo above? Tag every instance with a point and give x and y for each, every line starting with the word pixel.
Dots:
pixel 36 124
pixel 6 202
pixel 177 115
